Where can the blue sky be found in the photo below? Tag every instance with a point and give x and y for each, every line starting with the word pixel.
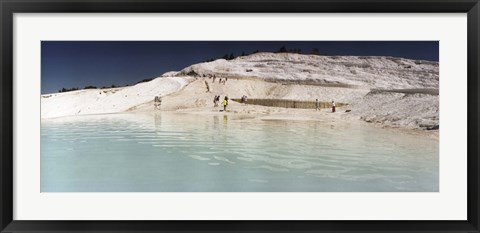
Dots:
pixel 67 64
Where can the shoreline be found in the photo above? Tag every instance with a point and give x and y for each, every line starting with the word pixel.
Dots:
pixel 265 113
pixel 324 115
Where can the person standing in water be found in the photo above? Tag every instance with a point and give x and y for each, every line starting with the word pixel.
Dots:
pixel 225 103
pixel 333 106
pixel 157 102
pixel 317 105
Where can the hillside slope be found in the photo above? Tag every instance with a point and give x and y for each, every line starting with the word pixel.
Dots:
pixel 112 100
pixel 354 71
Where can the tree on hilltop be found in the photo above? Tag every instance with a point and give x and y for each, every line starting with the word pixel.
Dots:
pixel 282 50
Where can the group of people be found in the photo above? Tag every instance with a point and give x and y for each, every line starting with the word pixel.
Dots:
pixel 317 105
pixel 158 102
pixel 220 81
pixel 216 100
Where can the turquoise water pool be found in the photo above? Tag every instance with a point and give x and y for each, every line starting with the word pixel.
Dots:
pixel 174 152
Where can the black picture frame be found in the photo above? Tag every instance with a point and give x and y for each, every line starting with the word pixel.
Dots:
pixel 9 7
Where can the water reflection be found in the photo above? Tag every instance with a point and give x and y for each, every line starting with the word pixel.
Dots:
pixel 186 152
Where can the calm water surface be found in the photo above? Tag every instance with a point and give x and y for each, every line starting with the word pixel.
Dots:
pixel 186 152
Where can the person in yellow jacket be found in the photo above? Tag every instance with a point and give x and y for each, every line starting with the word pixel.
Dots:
pixel 225 103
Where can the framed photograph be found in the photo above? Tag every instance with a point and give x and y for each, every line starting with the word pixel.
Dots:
pixel 199 116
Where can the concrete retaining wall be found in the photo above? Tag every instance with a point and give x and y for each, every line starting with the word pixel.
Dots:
pixel 283 103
